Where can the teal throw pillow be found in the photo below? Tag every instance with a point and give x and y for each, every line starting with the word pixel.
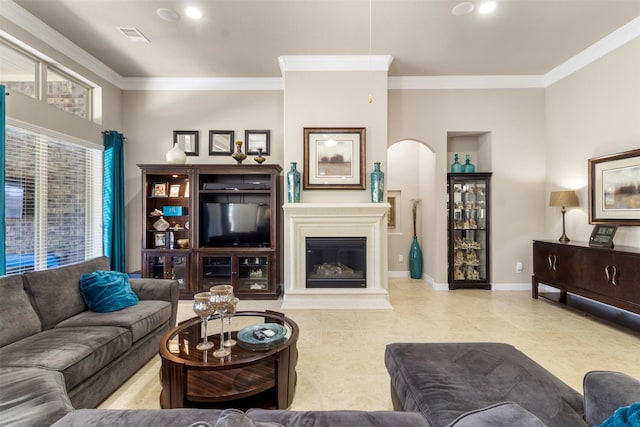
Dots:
pixel 627 416
pixel 106 291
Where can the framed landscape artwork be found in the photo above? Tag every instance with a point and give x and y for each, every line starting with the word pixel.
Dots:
pixel 614 188
pixel 334 158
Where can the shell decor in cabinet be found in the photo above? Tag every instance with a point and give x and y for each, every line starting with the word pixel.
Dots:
pixel 469 230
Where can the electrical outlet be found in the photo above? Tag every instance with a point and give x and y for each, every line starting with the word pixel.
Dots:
pixel 401 258
pixel 519 267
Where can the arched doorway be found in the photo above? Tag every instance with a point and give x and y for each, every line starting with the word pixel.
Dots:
pixel 411 167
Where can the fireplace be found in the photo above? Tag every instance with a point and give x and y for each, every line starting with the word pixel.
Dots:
pixel 336 262
pixel 334 224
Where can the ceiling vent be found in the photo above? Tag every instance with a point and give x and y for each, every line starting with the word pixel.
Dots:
pixel 133 34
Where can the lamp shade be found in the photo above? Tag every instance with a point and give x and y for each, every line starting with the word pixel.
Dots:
pixel 563 198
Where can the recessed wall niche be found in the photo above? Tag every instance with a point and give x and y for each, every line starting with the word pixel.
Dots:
pixel 476 144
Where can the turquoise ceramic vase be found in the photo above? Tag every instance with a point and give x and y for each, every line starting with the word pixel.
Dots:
pixel 468 167
pixel 415 259
pixel 293 184
pixel 456 166
pixel 377 184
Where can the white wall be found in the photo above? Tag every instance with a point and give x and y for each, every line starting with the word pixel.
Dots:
pixel 591 113
pixel 515 119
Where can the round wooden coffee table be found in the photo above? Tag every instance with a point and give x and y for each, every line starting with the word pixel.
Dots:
pixel 245 379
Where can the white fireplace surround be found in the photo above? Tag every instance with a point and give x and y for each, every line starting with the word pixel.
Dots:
pixel 302 220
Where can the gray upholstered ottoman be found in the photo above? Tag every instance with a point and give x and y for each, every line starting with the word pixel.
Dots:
pixel 446 380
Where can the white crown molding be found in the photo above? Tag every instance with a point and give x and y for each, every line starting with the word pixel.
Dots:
pixel 613 41
pixel 57 41
pixel 202 83
pixel 466 82
pixel 335 63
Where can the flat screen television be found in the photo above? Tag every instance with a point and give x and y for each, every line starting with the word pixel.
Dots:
pixel 235 224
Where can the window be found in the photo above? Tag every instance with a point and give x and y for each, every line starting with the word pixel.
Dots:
pixel 22 69
pixel 67 94
pixel 18 71
pixel 53 203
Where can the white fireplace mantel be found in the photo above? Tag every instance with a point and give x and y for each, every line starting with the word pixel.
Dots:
pixel 302 220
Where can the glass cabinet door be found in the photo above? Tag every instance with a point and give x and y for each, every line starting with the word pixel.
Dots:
pixel 163 266
pixel 216 270
pixel 253 273
pixel 469 230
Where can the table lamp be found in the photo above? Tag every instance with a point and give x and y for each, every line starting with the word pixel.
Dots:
pixel 564 199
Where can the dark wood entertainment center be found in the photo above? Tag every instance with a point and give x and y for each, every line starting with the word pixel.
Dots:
pixel 182 252
pixel 610 276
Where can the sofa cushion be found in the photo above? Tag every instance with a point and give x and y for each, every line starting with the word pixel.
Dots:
pixel 76 352
pixel 606 391
pixel 236 418
pixel 138 417
pixel 140 319
pixel 339 418
pixel 32 397
pixel 107 291
pixel 446 380
pixel 17 316
pixel 56 292
pixel 503 414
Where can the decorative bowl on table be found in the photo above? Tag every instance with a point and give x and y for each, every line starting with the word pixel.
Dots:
pixel 261 337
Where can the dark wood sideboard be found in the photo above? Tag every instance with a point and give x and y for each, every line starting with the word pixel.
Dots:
pixel 610 276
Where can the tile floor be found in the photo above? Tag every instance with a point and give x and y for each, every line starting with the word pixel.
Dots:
pixel 341 352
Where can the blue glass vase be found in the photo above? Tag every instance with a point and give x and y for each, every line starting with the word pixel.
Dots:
pixel 468 167
pixel 415 259
pixel 377 184
pixel 293 184
pixel 456 166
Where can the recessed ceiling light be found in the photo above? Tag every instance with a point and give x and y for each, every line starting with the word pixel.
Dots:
pixel 463 8
pixel 487 7
pixel 193 12
pixel 168 14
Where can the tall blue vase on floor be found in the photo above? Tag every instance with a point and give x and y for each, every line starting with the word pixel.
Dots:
pixel 415 259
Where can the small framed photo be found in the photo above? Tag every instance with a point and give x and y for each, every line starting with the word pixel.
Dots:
pixel 188 141
pixel 174 190
pixel 602 235
pixel 221 142
pixel 159 189
pixel 160 239
pixel 256 140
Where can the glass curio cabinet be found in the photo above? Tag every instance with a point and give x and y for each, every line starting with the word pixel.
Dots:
pixel 469 230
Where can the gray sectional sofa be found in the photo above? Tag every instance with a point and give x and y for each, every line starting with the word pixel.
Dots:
pixel 494 384
pixel 57 356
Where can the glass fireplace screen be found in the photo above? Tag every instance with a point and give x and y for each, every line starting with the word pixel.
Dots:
pixel 336 262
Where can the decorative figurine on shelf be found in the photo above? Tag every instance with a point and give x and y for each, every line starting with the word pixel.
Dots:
pixel 468 167
pixel 259 159
pixel 239 156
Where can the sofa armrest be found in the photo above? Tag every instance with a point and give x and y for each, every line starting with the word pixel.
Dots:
pixel 503 414
pixel 159 290
pixel 606 391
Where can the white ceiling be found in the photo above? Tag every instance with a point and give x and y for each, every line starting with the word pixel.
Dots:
pixel 244 38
